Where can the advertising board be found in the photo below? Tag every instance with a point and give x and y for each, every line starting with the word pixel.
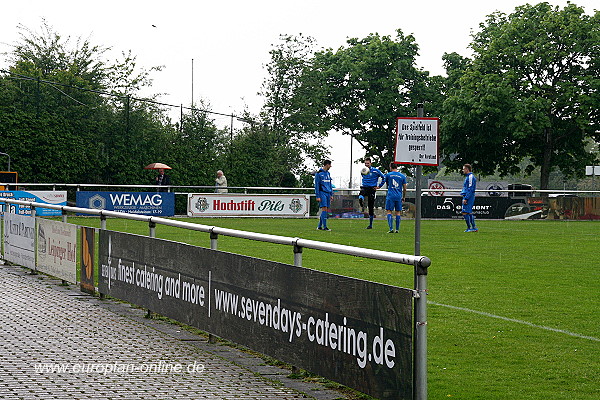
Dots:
pixel 49 197
pixel 144 203
pixel 56 245
pixel 352 331
pixel 19 239
pixel 255 205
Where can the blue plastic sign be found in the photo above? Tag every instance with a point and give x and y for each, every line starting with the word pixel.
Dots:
pixel 49 197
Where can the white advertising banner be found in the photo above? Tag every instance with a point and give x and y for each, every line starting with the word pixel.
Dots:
pixel 254 205
pixel 57 242
pixel 453 188
pixel 19 239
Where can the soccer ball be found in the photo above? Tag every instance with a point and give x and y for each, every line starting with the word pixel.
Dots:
pixel 365 170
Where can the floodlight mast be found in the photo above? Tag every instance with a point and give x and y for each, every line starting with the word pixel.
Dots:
pixel 4 154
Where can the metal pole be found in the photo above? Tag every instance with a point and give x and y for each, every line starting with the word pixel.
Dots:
pixel 297 256
pixel 152 226
pixel 103 222
pixel 350 183
pixel 418 174
pixel 214 240
pixel 420 306
pixel 4 154
pixel 192 86
pixel 420 388
pixel 64 216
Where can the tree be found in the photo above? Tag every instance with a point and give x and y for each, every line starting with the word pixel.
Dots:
pixel 68 115
pixel 285 113
pixel 532 92
pixel 362 88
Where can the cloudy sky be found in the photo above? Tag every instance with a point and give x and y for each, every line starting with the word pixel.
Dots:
pixel 229 40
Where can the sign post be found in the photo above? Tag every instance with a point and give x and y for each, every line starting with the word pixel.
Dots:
pixel 417 144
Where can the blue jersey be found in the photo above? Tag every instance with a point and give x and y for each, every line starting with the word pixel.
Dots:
pixel 323 184
pixel 469 186
pixel 372 178
pixel 395 181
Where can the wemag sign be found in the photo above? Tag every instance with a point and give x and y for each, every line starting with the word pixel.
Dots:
pixel 144 203
pixel 355 332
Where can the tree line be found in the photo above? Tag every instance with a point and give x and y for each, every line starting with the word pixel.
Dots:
pixel 527 100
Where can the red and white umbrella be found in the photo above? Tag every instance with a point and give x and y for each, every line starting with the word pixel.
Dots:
pixel 157 165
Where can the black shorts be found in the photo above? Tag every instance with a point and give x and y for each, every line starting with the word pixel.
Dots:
pixel 368 192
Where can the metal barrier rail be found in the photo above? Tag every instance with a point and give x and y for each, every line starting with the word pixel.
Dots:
pixel 420 263
pixel 172 188
pixel 215 231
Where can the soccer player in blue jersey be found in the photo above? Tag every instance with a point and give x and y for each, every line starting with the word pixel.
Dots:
pixel 369 185
pixel 396 192
pixel 468 194
pixel 324 193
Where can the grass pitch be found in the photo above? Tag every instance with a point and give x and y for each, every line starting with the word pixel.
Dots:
pixel 514 310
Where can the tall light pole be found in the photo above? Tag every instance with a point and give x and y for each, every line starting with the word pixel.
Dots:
pixel 4 154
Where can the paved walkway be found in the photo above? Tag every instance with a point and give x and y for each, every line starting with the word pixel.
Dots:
pixel 59 343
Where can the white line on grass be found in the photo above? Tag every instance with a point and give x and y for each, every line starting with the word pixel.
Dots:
pixel 518 321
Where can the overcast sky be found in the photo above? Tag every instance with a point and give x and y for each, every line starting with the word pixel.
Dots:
pixel 229 41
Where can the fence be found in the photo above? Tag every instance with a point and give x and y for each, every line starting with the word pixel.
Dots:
pixel 420 264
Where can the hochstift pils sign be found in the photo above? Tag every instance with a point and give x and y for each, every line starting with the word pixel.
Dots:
pixel 352 331
pixel 417 141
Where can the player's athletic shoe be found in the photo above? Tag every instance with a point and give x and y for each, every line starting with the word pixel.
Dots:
pixel 369 227
pixel 474 230
pixel 392 231
pixel 326 229
pixel 397 231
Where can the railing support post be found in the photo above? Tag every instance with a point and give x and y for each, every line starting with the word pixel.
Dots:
pixel 297 255
pixel 214 240
pixel 152 226
pixel 420 378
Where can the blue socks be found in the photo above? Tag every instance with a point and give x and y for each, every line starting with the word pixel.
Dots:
pixel 371 220
pixel 397 222
pixel 389 219
pixel 323 220
pixel 470 220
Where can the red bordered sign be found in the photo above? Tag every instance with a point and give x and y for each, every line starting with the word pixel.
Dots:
pixel 417 141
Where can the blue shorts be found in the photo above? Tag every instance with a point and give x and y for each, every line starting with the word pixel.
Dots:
pixel 325 200
pixel 393 204
pixel 468 208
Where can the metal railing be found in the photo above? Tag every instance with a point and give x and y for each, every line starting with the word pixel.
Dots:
pixel 214 231
pixel 420 264
pixel 246 189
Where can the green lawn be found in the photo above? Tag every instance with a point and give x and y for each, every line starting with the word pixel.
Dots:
pixel 514 309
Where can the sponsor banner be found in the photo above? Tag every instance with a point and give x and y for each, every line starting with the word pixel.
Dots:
pixel 19 239
pixel 86 274
pixel 56 245
pixel 256 205
pixel 451 207
pixel 355 332
pixel 453 188
pixel 48 197
pixel 144 203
